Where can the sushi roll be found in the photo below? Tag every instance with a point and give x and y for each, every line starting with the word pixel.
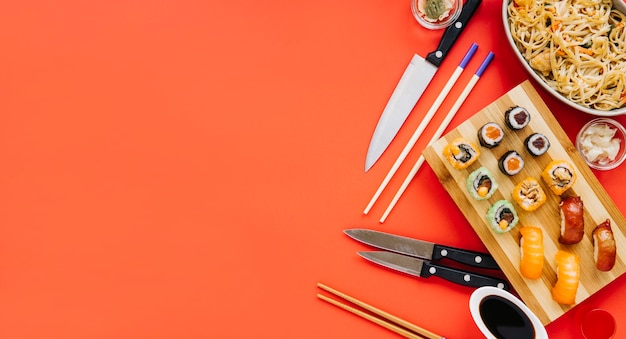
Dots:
pixel 490 135
pixel 516 117
pixel 537 144
pixel 461 153
pixel 481 184
pixel 528 194
pixel 559 175
pixel 511 163
pixel 568 277
pixel 502 216
pixel 531 252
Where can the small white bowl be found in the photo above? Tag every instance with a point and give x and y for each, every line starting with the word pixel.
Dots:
pixel 445 22
pixel 483 292
pixel 620 134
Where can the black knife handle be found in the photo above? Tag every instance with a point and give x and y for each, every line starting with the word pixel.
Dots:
pixel 461 277
pixel 471 258
pixel 452 32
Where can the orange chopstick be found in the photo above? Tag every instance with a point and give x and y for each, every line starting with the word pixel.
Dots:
pixel 388 321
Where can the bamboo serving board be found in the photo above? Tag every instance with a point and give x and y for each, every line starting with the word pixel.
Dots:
pixel 598 206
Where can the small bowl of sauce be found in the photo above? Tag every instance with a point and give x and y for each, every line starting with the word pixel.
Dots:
pixel 500 315
pixel 601 142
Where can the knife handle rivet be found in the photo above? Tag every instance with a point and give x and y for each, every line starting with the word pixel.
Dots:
pixel 466 277
pixel 444 253
pixel 458 25
pixel 438 54
pixel 432 270
pixel 478 259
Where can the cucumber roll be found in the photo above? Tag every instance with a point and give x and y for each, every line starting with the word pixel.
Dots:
pixel 502 216
pixel 559 175
pixel 481 184
pixel 490 135
pixel 511 163
pixel 461 153
pixel 528 194
pixel 537 144
pixel 517 117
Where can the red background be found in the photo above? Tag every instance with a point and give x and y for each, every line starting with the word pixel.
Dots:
pixel 186 168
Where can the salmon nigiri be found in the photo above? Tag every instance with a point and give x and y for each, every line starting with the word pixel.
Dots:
pixel 568 276
pixel 531 252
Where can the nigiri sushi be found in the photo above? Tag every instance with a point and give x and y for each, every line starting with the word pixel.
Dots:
pixel 604 251
pixel 572 220
pixel 528 194
pixel 461 153
pixel 559 175
pixel 531 252
pixel 568 277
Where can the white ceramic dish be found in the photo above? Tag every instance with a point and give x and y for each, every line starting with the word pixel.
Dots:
pixel 617 4
pixel 481 293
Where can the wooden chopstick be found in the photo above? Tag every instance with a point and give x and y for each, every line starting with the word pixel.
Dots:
pixel 395 324
pixel 420 129
pixel 468 88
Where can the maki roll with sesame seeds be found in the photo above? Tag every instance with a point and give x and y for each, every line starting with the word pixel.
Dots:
pixel 537 144
pixel 517 117
pixel 511 163
pixel 502 216
pixel 559 175
pixel 481 184
pixel 528 194
pixel 461 153
pixel 490 135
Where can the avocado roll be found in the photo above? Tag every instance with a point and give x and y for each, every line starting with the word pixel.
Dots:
pixel 490 135
pixel 528 194
pixel 559 175
pixel 461 153
pixel 537 144
pixel 511 163
pixel 481 184
pixel 502 216
pixel 517 117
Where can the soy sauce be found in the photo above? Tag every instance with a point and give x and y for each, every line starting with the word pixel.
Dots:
pixel 504 319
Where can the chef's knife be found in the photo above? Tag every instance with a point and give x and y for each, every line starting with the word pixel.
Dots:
pixel 421 249
pixel 412 84
pixel 425 269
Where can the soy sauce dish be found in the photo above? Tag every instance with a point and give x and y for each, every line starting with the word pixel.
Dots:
pixel 500 315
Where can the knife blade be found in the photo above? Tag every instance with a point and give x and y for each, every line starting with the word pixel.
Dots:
pixel 412 84
pixel 425 269
pixel 421 249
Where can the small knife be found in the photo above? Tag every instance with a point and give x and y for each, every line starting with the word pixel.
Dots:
pixel 421 249
pixel 425 269
pixel 412 84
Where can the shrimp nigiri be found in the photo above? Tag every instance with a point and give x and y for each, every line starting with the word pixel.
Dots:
pixel 531 252
pixel 568 276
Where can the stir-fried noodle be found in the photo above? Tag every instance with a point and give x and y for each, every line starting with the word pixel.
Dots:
pixel 577 46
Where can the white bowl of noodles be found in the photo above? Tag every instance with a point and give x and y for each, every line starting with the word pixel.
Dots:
pixel 575 49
